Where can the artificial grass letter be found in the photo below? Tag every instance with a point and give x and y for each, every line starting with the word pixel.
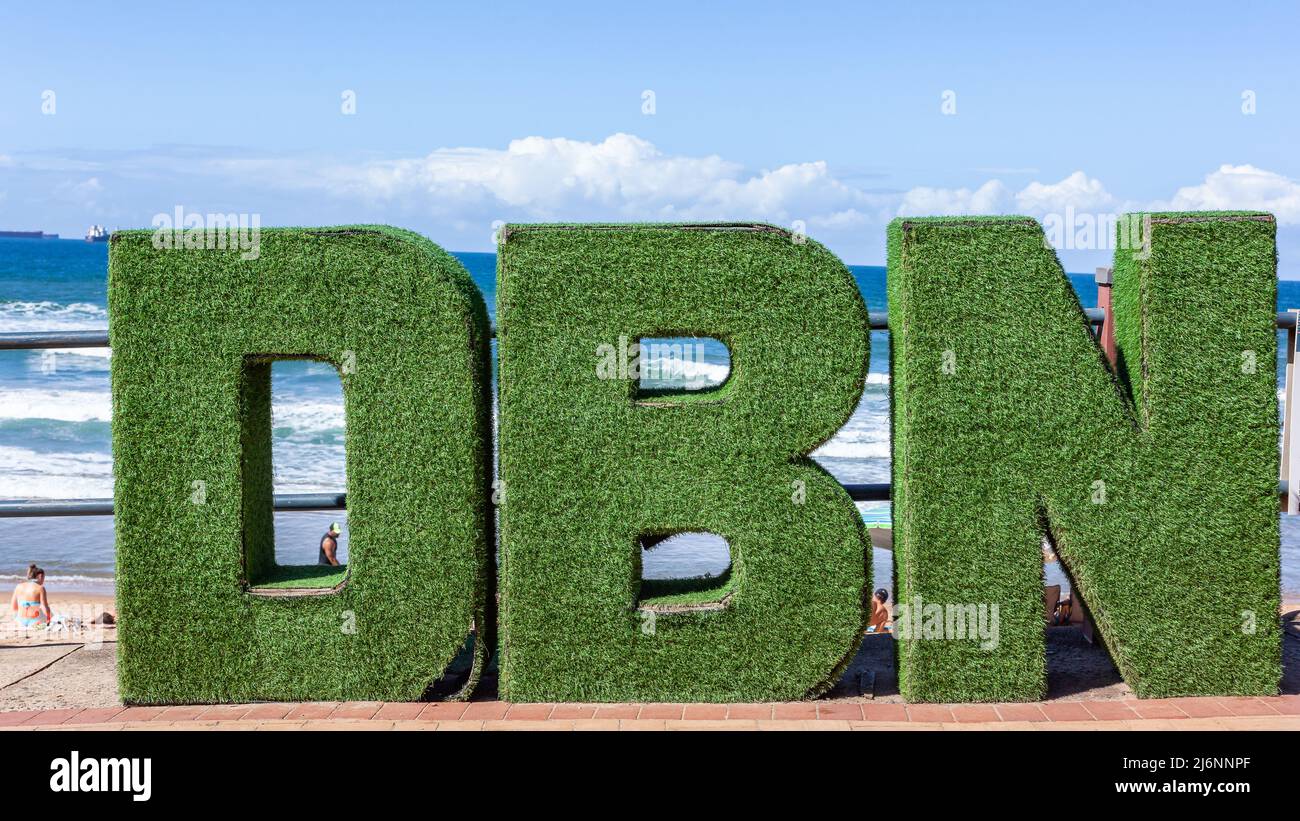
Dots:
pixel 1009 426
pixel 591 470
pixel 193 333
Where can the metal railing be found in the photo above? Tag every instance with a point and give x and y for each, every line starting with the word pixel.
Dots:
pixel 879 321
pixel 24 508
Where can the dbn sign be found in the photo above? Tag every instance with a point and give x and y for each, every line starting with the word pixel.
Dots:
pixel 1155 481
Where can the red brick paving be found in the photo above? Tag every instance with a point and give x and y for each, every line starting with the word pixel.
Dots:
pixel 795 711
pixel 356 710
pixel 970 713
pixel 92 715
pixel 1287 705
pixel 1155 708
pixel 574 711
pixel 1066 711
pixel 706 712
pixel 312 709
pixel 139 714
pixel 843 711
pixel 750 711
pixel 1200 707
pixel 929 712
pixel 485 711
pixel 268 712
pixel 617 710
pixel 400 711
pixel 884 712
pixel 1246 706
pixel 181 712
pixel 1021 712
pixel 1111 710
pixel 443 711
pixel 746 714
pixel 217 712
pixel 529 712
pixel 17 717
pixel 671 712
pixel 57 716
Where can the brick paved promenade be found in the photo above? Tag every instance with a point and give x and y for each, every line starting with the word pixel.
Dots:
pixel 1273 713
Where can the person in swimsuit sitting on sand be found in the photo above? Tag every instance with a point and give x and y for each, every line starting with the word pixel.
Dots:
pixel 879 613
pixel 29 602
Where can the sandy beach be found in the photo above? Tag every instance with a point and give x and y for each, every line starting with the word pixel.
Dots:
pixel 71 666
pixel 77 666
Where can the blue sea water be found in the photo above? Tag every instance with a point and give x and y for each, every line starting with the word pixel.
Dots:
pixel 55 414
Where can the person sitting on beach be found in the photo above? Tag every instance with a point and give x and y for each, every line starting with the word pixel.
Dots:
pixel 329 546
pixel 879 613
pixel 29 601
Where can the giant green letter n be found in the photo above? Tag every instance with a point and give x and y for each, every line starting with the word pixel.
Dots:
pixel 591 469
pixel 194 331
pixel 1157 485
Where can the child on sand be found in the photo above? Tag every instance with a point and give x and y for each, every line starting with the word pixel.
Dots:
pixel 879 613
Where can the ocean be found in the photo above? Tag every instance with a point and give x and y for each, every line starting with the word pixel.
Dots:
pixel 55 417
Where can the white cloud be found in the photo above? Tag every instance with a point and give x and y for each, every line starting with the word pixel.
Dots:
pixel 622 177
pixel 990 198
pixel 1079 191
pixel 1240 188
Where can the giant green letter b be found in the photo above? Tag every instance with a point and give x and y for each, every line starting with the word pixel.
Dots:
pixel 591 469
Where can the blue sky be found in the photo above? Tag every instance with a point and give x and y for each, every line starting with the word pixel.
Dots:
pixel 831 115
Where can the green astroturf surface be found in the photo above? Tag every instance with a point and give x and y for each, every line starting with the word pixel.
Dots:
pixel 194 333
pixel 590 468
pixel 1008 426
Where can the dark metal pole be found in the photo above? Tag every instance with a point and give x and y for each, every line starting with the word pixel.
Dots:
pixel 54 339
pixel 23 508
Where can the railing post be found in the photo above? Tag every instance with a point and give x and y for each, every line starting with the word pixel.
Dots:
pixel 1290 415
pixel 1105 276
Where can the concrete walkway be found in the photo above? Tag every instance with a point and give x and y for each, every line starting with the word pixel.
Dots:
pixel 1272 713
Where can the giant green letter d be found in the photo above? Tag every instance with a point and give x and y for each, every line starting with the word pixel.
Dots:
pixel 205 615
pixel 1156 485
